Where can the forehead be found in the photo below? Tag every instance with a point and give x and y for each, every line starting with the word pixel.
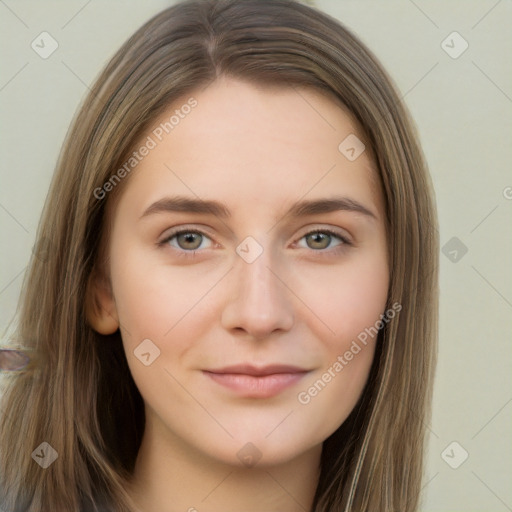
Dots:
pixel 241 142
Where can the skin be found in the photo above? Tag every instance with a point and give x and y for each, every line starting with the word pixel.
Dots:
pixel 301 302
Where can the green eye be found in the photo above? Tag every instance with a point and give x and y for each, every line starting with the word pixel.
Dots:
pixel 189 241
pixel 319 240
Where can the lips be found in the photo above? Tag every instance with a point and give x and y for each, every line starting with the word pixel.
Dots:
pixel 257 382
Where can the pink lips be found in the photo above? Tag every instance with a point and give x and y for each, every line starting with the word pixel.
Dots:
pixel 251 382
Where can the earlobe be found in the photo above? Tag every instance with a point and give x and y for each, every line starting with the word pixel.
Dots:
pixel 100 307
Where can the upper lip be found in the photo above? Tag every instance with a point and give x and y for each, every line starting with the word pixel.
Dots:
pixel 248 369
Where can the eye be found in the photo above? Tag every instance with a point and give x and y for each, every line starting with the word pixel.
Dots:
pixel 187 240
pixel 323 239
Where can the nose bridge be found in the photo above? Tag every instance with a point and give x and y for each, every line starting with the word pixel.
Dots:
pixel 259 303
pixel 257 284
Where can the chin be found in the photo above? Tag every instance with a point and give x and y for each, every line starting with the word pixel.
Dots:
pixel 252 448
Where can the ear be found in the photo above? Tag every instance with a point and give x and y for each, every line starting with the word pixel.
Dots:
pixel 100 306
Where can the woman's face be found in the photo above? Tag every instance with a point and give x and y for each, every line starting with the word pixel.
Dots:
pixel 247 254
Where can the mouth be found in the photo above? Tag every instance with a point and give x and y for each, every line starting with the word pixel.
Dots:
pixel 257 382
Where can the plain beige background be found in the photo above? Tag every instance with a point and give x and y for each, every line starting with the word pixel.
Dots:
pixel 463 110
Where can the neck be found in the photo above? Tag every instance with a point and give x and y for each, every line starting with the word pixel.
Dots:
pixel 172 477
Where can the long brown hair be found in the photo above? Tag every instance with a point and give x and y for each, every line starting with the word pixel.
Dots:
pixel 79 396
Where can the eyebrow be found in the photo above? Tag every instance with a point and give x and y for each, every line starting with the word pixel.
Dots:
pixel 299 209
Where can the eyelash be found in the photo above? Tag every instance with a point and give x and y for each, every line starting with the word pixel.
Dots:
pixel 345 242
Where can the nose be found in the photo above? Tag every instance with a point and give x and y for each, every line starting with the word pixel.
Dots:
pixel 258 302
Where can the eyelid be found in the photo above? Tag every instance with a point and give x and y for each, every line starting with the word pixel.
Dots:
pixel 338 232
pixel 165 242
pixel 183 228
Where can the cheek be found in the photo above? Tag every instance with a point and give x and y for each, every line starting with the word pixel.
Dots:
pixel 349 307
pixel 156 302
pixel 328 398
pixel 346 300
pixel 166 306
pixel 149 295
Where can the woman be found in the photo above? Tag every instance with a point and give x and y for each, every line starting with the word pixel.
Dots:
pixel 238 309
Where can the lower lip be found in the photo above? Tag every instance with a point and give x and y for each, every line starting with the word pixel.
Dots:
pixel 251 386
